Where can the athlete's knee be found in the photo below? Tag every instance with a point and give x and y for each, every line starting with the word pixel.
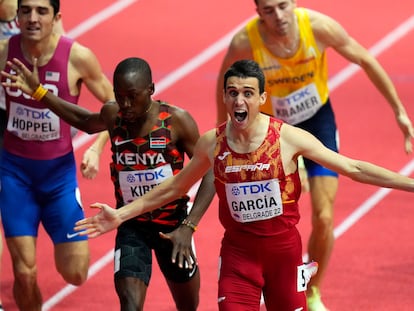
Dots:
pixel 25 277
pixel 322 213
pixel 322 219
pixel 75 277
pixel 322 222
pixel 75 272
pixel 72 262
pixel 131 293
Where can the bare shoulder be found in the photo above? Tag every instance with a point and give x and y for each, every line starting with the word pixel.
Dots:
pixel 81 55
pixel 183 122
pixel 178 111
pixel 84 65
pixel 206 144
pixel 181 116
pixel 328 32
pixel 293 136
pixel 240 45
pixel 210 136
pixel 319 21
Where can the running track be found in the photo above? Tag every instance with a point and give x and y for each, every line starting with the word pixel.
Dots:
pixel 372 264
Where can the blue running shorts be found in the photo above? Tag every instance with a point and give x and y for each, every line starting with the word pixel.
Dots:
pixel 40 191
pixel 323 126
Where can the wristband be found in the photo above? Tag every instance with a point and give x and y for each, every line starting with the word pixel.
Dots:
pixel 189 224
pixel 39 93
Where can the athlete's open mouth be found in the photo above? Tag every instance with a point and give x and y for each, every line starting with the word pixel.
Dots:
pixel 240 115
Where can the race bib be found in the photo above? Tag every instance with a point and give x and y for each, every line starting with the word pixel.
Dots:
pixel 297 106
pixel 136 183
pixel 254 201
pixel 303 278
pixel 30 123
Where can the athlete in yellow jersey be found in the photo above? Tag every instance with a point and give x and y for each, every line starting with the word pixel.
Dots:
pixel 297 85
pixel 290 43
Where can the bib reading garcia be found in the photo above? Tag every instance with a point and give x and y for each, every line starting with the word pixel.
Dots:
pixel 254 201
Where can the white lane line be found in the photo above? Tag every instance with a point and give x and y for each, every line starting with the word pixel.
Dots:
pixel 202 58
pixel 99 17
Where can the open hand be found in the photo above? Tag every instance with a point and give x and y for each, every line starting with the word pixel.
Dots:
pixel 182 252
pixel 21 77
pixel 106 220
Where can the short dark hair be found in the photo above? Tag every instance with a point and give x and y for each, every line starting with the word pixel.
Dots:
pixel 246 69
pixel 134 65
pixel 54 3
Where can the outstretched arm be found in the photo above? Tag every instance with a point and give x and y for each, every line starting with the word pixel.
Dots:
pixel 296 141
pixel 330 33
pixel 169 190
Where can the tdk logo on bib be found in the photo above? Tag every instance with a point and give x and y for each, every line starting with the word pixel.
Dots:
pixel 146 176
pixel 34 114
pixel 251 189
pixel 134 184
pixel 296 97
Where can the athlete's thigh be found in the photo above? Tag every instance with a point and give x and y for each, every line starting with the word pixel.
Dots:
pixel 23 252
pixel 133 256
pixel 132 266
pixel 60 213
pixel 72 258
pixel 19 210
pixel 59 197
pixel 284 257
pixel 240 278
